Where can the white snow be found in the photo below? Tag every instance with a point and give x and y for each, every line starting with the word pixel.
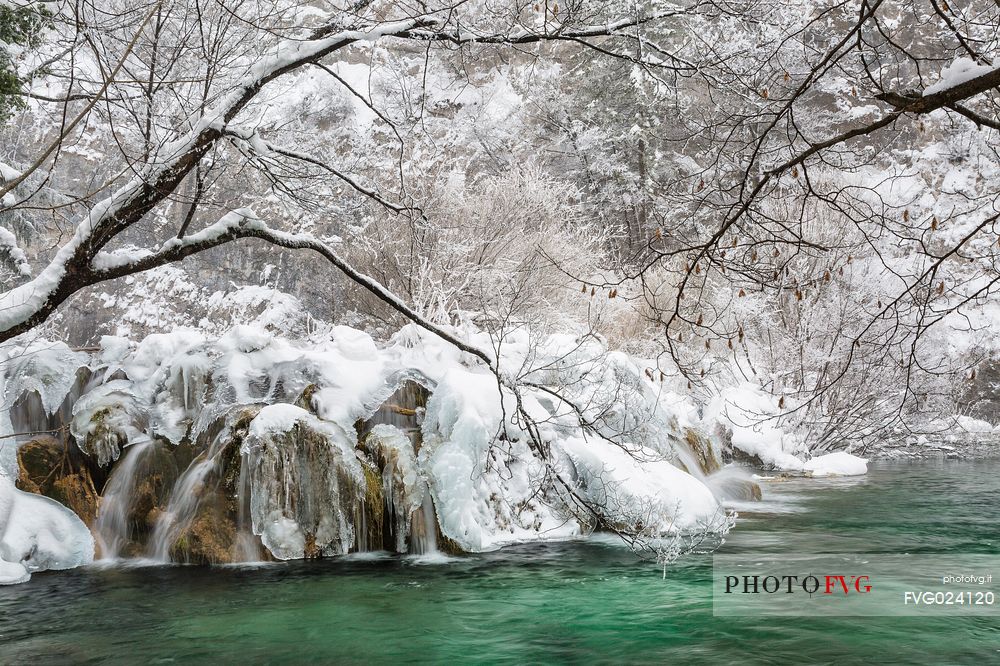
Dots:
pixel 37 533
pixel 8 244
pixel 752 415
pixel 490 484
pixel 839 463
pixel 641 489
pixel 970 424
pixel 957 73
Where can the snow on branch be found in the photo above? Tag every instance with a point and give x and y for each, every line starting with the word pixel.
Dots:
pixel 9 246
pixel 244 223
pixel 526 36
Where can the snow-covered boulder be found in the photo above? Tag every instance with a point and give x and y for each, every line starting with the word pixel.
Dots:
pixel 38 533
pixel 836 464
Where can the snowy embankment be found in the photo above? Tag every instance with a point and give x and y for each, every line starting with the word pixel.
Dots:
pixel 752 417
pixel 568 427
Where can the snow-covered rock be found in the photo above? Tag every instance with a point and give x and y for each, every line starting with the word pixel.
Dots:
pixel 839 463
pixel 37 534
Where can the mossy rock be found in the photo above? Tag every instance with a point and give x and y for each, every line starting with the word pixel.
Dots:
pixel 47 467
pixel 448 546
pixel 76 492
pixel 305 399
pixel 211 538
pixel 703 451
pixel 373 505
pixel 39 462
pixel 749 460
pixel 213 534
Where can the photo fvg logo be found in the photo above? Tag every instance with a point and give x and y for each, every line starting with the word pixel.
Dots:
pixel 829 584
pixel 854 584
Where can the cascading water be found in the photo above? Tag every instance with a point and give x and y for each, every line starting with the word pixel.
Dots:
pixel 247 544
pixel 424 532
pixel 733 483
pixel 393 436
pixel 185 498
pixel 112 525
pixel 698 456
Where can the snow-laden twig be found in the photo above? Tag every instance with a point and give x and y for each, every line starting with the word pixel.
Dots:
pixel 9 246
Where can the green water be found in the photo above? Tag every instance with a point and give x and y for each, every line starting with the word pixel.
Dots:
pixel 552 604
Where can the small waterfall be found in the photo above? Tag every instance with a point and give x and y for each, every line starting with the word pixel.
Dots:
pixel 247 544
pixel 696 453
pixel 733 483
pixel 185 498
pixel 112 525
pixel 364 542
pixel 395 431
pixel 423 531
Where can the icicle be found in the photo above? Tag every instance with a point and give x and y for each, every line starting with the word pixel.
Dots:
pixel 247 545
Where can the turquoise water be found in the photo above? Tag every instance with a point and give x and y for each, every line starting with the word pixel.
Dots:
pixel 585 602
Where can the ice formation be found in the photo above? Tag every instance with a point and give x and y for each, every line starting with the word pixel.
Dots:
pixel 246 445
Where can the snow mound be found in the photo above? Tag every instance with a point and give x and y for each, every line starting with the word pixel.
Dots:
pixel 752 416
pixel 644 492
pixel 836 464
pixel 37 534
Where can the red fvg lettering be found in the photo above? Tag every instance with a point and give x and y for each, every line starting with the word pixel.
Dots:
pixel 857 583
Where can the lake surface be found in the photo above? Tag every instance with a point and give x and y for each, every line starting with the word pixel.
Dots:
pixel 582 602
